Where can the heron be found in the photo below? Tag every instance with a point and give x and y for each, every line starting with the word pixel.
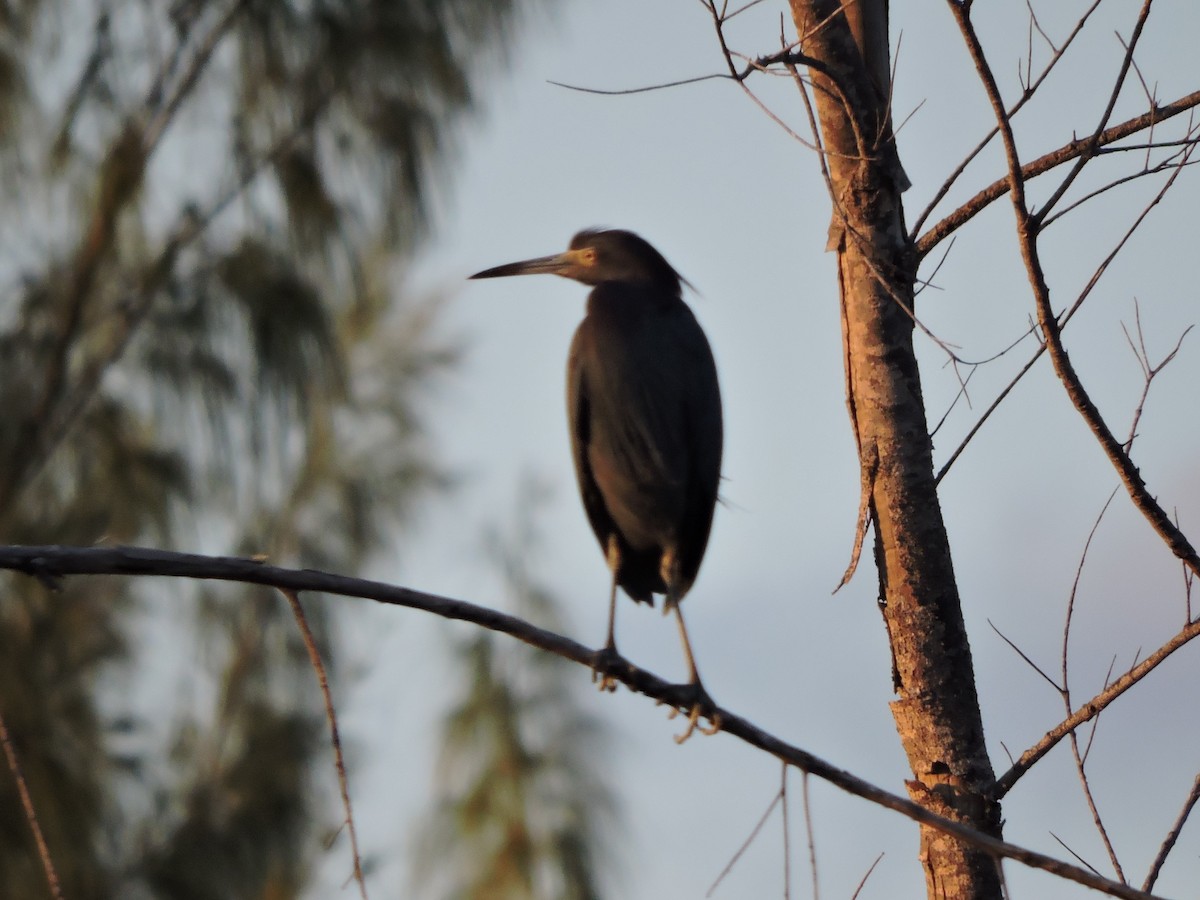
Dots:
pixel 644 409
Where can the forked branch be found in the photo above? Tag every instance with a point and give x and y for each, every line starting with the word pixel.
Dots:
pixel 1028 230
pixel 1043 164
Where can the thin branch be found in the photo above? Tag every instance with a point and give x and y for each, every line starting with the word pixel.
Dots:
pixel 1064 320
pixel 1027 236
pixel 1093 708
pixel 987 413
pixel 1189 578
pixel 339 762
pixel 48 563
pixel 741 9
pixel 1082 861
pixel 30 811
pixel 1149 370
pixel 1026 96
pixel 812 843
pixel 1166 165
pixel 1091 802
pixel 862 883
pixel 1029 662
pixel 1038 25
pixel 644 89
pixel 1169 842
pixel 1045 163
pixel 754 832
pixel 787 838
pixel 785 56
pixel 1065 689
pixel 788 56
pixel 1090 144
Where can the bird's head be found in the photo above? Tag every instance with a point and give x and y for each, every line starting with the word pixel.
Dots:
pixel 598 256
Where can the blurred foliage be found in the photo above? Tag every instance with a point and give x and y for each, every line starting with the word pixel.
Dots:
pixel 522 809
pixel 206 209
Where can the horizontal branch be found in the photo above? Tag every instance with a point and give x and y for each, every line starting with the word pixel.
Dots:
pixel 1077 148
pixel 48 564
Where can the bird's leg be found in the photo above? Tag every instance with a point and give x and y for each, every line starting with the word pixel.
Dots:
pixel 608 657
pixel 693 693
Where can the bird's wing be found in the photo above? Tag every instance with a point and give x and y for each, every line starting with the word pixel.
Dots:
pixel 579 417
pixel 703 428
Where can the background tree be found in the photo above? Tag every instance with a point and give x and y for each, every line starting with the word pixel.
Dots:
pixel 205 208
pixel 521 806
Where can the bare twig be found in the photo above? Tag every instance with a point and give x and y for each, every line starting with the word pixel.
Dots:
pixel 1093 707
pixel 812 841
pixel 1149 370
pixel 1047 162
pixel 1026 96
pixel 30 811
pixel 1087 545
pixel 1029 662
pixel 1080 760
pixel 787 838
pixel 1078 757
pixel 1063 321
pixel 1189 578
pixel 862 883
pixel 1080 769
pixel 1034 23
pixel 1090 144
pixel 1167 165
pixel 644 89
pixel 754 832
pixel 339 762
pixel 1081 860
pixel 1169 841
pixel 1027 236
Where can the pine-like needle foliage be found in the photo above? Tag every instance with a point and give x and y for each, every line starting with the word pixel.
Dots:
pixel 202 342
pixel 523 808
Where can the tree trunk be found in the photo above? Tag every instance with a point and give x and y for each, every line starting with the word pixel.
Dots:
pixel 937 709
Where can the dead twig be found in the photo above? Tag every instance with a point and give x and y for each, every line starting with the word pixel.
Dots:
pixel 1027 237
pixel 1169 841
pixel 30 812
pixel 339 761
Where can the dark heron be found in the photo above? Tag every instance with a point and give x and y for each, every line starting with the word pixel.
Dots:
pixel 645 418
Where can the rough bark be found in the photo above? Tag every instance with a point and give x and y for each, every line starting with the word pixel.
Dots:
pixel 937 709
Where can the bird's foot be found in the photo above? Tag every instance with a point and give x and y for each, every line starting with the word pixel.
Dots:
pixel 605 662
pixel 693 698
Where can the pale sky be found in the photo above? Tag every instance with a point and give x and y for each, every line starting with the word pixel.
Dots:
pixel 738 207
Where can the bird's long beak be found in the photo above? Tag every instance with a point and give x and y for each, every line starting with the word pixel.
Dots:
pixel 559 264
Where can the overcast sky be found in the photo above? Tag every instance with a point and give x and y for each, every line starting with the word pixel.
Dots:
pixel 738 207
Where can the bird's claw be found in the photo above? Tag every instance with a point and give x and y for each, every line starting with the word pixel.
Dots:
pixel 699 705
pixel 604 663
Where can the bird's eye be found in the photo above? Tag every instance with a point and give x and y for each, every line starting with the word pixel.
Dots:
pixel 588 256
